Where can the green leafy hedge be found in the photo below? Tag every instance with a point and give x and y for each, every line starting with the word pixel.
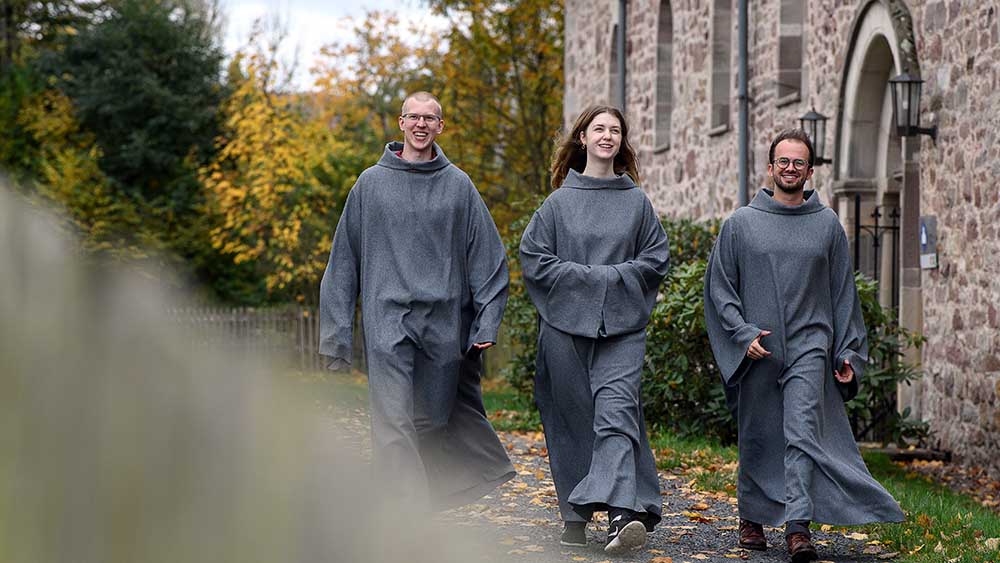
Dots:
pixel 681 388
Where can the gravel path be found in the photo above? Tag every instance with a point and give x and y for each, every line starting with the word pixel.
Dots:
pixel 521 520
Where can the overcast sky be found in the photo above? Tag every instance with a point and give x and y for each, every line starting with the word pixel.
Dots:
pixel 311 23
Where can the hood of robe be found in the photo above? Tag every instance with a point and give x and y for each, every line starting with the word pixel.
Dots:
pixel 580 182
pixel 391 160
pixel 764 201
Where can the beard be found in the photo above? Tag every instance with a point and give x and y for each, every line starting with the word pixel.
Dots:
pixel 792 188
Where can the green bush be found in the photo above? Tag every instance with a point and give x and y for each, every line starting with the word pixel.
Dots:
pixel 681 388
pixel 520 318
pixel 873 412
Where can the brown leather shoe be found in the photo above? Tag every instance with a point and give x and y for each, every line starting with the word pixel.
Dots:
pixel 752 535
pixel 801 548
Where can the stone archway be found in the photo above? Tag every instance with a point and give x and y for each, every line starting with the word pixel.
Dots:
pixel 873 163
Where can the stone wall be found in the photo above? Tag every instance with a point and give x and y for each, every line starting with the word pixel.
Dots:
pixel 956 45
pixel 959 44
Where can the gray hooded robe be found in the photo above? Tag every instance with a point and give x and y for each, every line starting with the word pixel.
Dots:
pixel 419 245
pixel 787 269
pixel 593 257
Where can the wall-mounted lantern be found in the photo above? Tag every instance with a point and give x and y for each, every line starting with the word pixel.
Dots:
pixel 906 90
pixel 814 124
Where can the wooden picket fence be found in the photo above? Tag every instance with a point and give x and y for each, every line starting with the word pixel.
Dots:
pixel 287 334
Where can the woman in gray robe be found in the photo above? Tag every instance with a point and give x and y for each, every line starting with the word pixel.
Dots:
pixel 593 257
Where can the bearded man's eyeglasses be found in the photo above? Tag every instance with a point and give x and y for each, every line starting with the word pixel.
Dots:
pixel 783 163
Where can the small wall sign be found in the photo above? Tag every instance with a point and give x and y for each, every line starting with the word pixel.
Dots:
pixel 928 242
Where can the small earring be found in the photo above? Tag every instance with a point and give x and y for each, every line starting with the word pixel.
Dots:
pixel 583 146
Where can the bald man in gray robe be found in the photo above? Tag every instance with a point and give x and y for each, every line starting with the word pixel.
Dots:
pixel 419 246
pixel 785 324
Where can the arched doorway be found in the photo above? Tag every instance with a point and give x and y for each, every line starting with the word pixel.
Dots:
pixel 876 175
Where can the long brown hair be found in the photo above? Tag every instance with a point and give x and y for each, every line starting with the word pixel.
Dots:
pixel 570 152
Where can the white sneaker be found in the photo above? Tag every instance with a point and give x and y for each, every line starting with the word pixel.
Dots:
pixel 624 535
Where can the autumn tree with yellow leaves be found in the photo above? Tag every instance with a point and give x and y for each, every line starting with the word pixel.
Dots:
pixel 502 84
pixel 67 176
pixel 270 181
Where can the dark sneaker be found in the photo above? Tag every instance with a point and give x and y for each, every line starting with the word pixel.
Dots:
pixel 625 532
pixel 752 535
pixel 801 548
pixel 574 534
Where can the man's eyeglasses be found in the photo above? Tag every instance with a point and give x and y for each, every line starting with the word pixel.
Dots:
pixel 429 119
pixel 798 163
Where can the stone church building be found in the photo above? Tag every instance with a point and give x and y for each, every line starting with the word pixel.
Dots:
pixel 836 57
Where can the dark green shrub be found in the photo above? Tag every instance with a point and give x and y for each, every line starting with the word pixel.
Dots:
pixel 689 240
pixel 520 319
pixel 681 388
pixel 874 414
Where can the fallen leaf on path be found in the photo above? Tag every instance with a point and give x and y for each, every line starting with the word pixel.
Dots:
pixel 522 538
pixel 578 558
pixel 894 554
pixel 727 528
pixel 857 536
pixel 539 474
pixel 699 556
pixel 698 517
pixel 534 548
pixel 825 528
pixel 700 506
pixel 662 560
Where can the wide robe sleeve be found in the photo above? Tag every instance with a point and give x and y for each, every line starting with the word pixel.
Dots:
pixel 850 339
pixel 338 290
pixel 728 331
pixel 568 295
pixel 632 285
pixel 487 270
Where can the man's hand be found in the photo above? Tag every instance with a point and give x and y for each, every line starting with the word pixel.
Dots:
pixel 482 345
pixel 845 375
pixel 756 351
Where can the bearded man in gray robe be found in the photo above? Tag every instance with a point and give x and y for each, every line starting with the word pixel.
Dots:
pixel 785 324
pixel 418 244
